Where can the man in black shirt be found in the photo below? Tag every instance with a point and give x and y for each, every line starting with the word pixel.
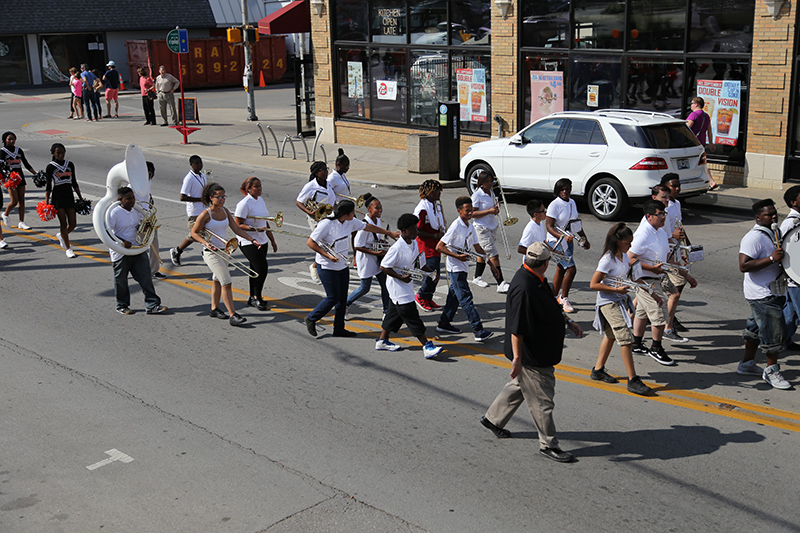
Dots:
pixel 534 342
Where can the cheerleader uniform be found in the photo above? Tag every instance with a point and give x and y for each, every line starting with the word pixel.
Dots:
pixel 60 182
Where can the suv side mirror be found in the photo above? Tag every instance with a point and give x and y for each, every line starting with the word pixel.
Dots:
pixel 516 139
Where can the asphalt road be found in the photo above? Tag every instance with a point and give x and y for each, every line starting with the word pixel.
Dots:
pixel 263 428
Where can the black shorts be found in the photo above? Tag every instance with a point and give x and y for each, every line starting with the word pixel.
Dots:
pixel 62 197
pixel 408 313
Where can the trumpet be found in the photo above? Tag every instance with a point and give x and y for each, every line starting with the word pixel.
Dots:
pixel 417 274
pixel 358 201
pixel 277 219
pixel 320 210
pixel 619 281
pixel 225 254
pixel 380 246
pixel 331 250
pixel 555 251
pixel 673 269
pixel 473 255
pixel 566 233
pixel 147 227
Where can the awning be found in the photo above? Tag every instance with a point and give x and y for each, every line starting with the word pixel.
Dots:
pixel 293 18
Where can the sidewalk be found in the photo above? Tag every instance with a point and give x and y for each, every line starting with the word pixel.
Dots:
pixel 226 137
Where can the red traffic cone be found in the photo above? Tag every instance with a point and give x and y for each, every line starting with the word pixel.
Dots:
pixel 261 80
pixel 121 85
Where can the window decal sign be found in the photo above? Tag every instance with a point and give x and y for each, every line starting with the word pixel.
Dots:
pixel 355 79
pixel 472 94
pixel 547 93
pixel 386 89
pixel 723 101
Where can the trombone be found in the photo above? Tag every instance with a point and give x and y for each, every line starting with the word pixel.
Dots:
pixel 509 220
pixel 358 201
pixel 320 210
pixel 331 250
pixel 277 219
pixel 225 254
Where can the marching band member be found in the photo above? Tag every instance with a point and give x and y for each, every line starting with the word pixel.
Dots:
pixel 760 257
pixel 216 218
pixel 674 228
pixel 460 234
pixel 535 230
pixel 256 229
pixel 337 179
pixel 317 190
pixel 367 259
pixel 14 157
pixel 123 221
pixel 61 181
pixel 430 229
pixel 194 183
pixel 484 217
pixel 334 274
pixel 402 309
pixel 563 212
pixel 612 308
pixel 791 310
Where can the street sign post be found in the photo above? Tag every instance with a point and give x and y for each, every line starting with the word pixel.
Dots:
pixel 178 42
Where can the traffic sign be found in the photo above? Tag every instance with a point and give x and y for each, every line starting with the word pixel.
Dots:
pixel 178 41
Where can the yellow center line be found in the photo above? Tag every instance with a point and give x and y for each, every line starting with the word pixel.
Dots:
pixel 689 399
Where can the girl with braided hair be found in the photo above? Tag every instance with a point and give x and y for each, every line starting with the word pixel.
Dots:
pixel 430 228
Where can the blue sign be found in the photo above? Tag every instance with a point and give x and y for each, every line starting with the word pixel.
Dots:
pixel 183 38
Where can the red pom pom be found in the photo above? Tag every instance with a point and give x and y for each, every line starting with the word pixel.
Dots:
pixel 13 180
pixel 46 211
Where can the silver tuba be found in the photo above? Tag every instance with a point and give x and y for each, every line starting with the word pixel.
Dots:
pixel 133 172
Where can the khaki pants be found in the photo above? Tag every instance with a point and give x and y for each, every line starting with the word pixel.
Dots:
pixel 537 387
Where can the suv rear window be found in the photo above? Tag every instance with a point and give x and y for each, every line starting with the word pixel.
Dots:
pixel 661 136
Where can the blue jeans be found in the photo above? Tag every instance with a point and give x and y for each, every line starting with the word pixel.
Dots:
pixel 791 313
pixel 366 283
pixel 139 267
pixel 765 323
pixel 428 285
pixel 459 294
pixel 335 283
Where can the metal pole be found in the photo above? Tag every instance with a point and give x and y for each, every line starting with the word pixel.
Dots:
pixel 248 62
pixel 183 100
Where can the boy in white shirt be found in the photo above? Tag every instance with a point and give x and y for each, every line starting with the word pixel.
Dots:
pixel 484 216
pixel 535 231
pixel 191 192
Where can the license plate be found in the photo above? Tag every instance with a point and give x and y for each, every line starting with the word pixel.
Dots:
pixel 683 164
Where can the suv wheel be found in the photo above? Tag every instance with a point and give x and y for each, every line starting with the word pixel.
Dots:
pixel 607 199
pixel 472 180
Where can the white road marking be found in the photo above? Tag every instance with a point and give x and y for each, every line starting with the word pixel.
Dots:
pixel 115 455
pixel 71 146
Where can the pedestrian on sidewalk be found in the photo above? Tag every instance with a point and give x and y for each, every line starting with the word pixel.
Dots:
pixel 700 124
pixel 166 84
pixel 92 108
pixel 76 84
pixel 192 193
pixel 13 156
pixel 61 181
pixel 112 81
pixel 146 85
pixel 430 229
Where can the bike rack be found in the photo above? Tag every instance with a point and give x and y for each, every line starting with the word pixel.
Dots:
pixel 283 147
pixel 314 149
pixel 264 144
pixel 305 146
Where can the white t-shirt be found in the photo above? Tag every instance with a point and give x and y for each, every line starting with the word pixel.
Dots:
pixel 482 201
pixel 400 255
pixel 123 223
pixel 611 266
pixel 757 244
pixel 533 232
pixel 366 264
pixel 460 234
pixel 788 223
pixel 313 190
pixel 674 216
pixel 339 183
pixel 435 216
pixel 562 212
pixel 336 233
pixel 249 207
pixel 193 185
pixel 651 246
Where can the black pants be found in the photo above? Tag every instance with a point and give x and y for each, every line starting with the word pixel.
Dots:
pixel 149 110
pixel 258 262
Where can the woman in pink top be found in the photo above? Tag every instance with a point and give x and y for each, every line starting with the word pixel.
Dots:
pixel 145 84
pixel 700 124
pixel 76 85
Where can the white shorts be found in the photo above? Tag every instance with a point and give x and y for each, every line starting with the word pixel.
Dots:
pixel 487 239
pixel 218 266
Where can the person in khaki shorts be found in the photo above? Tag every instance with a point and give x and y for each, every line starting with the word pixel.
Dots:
pixel 612 309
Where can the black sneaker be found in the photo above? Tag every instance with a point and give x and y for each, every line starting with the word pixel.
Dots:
pixel 640 349
pixel 159 275
pixel 258 303
pixel 175 255
pixel 237 319
pixel 344 333
pixel 660 355
pixel 602 375
pixel 636 386
pixel 311 326
pixel 157 310
pixel 447 328
pixel 218 313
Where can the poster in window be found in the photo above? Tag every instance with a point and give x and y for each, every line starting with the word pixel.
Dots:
pixel 592 95
pixel 355 80
pixel 547 93
pixel 723 100
pixel 386 89
pixel 471 85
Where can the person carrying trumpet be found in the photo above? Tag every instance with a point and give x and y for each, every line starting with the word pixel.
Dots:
pixel 331 241
pixel 250 216
pixel 215 218
pixel 314 193
pixel 368 259
pixel 613 306
pixel 484 215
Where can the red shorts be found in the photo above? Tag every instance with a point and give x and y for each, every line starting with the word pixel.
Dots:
pixel 112 94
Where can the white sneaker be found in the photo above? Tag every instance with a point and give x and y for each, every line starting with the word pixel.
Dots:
pixel 347 313
pixel 502 288
pixel 23 225
pixel 566 306
pixel 61 241
pixel 749 368
pixel 3 244
pixel 386 345
pixel 312 269
pixel 70 253
pixel 431 350
pixel 772 375
pixel 477 280
pixel 4 218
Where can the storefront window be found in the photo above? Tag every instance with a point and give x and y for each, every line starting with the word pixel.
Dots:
pixel 71 50
pixel 471 22
pixel 428 22
pixel 351 20
pixel 655 85
pixel 388 88
pixel 471 86
pixel 594 80
pixel 13 61
pixel 727 29
pixel 429 84
pixel 354 88
pixel 388 21
pixel 545 23
pixel 657 25
pixel 537 105
pixel 599 24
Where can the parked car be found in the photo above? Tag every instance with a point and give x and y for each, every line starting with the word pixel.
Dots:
pixel 612 156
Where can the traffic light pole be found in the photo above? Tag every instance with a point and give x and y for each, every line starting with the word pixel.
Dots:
pixel 250 88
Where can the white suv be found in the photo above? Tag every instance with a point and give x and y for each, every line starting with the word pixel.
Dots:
pixel 612 156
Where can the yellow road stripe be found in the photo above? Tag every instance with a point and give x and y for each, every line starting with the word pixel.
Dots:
pixel 697 401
